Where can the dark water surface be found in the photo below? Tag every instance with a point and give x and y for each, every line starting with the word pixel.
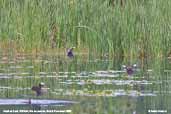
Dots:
pixel 98 85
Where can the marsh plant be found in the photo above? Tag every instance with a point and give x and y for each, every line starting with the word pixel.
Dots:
pixel 129 28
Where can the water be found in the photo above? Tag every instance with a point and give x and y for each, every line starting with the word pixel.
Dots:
pixel 98 85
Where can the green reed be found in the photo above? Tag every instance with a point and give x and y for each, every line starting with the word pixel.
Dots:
pixel 127 30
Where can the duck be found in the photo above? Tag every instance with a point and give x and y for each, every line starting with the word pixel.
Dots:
pixel 70 52
pixel 40 90
pixel 130 69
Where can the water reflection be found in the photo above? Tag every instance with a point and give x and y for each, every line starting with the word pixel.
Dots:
pixel 100 86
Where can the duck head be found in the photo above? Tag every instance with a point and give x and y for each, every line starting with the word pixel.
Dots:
pixel 41 84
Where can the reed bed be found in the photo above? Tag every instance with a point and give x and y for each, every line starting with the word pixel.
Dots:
pixel 137 28
pixel 128 30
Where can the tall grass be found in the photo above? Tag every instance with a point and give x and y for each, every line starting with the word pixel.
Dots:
pixel 139 27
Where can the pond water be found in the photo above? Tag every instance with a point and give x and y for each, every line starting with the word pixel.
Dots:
pixel 99 86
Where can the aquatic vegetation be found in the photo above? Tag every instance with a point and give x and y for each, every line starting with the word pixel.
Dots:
pixel 129 31
pixel 84 81
pixel 34 35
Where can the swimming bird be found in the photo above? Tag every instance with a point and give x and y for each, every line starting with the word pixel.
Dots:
pixel 39 89
pixel 129 69
pixel 70 52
